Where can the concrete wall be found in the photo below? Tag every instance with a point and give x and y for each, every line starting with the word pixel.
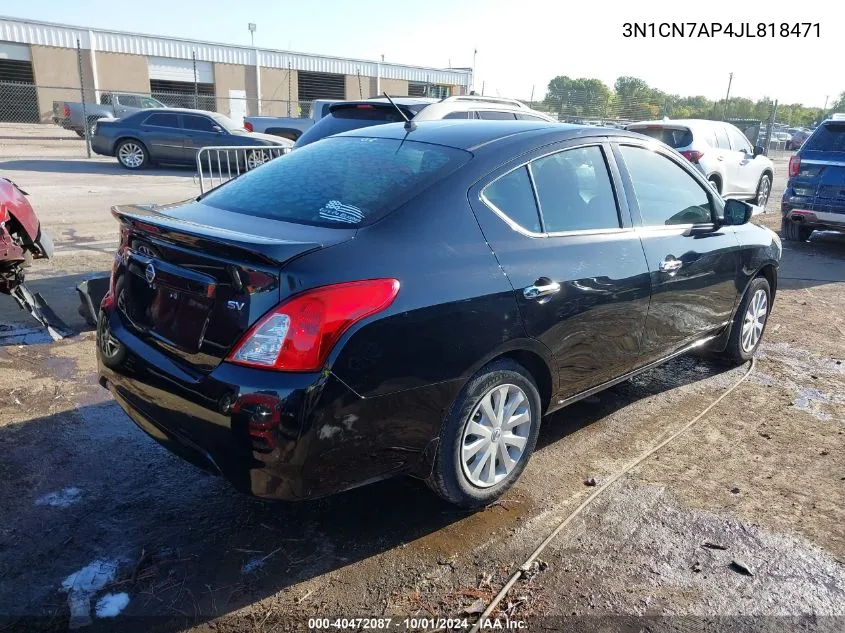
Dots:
pixel 358 90
pixel 117 72
pixel 278 86
pixel 56 72
pixel 393 87
pixel 235 77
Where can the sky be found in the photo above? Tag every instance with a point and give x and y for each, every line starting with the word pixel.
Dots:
pixel 521 45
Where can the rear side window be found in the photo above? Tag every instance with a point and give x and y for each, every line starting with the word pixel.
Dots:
pixel 345 119
pixel 575 191
pixel 341 182
pixel 673 137
pixel 512 195
pixel 722 141
pixel 162 119
pixel 666 193
pixel 829 137
pixel 528 117
pixel 458 115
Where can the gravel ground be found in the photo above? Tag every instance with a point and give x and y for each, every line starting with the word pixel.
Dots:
pixel 740 517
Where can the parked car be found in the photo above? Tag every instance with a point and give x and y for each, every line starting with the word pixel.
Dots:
pixel 350 115
pixel 174 136
pixel 814 198
pixel 113 105
pixel 289 127
pixel 721 152
pixel 797 138
pixel 391 301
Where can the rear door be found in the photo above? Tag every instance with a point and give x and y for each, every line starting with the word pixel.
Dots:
pixel 163 135
pixel 560 229
pixel 693 266
pixel 728 160
pixel 821 174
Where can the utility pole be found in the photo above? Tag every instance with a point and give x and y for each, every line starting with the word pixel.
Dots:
pixel 474 54
pixel 727 96
pixel 251 26
pixel 824 109
pixel 532 97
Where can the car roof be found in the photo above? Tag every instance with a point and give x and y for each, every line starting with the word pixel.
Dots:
pixel 471 135
pixel 182 110
pixel 674 122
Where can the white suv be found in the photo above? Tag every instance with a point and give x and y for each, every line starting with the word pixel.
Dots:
pixel 721 152
pixel 351 115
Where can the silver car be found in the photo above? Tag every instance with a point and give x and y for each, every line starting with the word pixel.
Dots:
pixel 721 152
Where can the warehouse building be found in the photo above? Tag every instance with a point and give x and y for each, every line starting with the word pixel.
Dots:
pixel 42 62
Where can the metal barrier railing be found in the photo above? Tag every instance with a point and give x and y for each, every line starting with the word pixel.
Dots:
pixel 219 164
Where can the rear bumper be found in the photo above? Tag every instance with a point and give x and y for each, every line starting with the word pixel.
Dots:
pixel 102 146
pixel 325 439
pixel 811 214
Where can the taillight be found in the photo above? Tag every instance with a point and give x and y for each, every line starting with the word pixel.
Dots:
pixel 794 165
pixel 692 155
pixel 300 333
pixel 66 111
pixel 248 126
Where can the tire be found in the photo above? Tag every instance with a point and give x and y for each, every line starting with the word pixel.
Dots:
pixel 451 478
pixel 80 133
pixel 256 158
pixel 764 190
pixel 794 232
pixel 754 310
pixel 131 148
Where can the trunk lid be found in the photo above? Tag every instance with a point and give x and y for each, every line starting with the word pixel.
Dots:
pixel 194 278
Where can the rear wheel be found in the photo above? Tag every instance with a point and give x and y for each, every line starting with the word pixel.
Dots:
pixel 749 322
pixel 131 154
pixel 488 437
pixel 764 188
pixel 794 232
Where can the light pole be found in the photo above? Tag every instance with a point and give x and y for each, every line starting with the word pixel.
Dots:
pixel 727 96
pixel 474 53
pixel 251 26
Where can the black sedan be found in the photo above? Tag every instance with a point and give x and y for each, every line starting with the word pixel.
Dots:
pixel 393 301
pixel 173 136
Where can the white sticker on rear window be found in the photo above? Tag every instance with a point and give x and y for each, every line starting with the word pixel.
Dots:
pixel 337 211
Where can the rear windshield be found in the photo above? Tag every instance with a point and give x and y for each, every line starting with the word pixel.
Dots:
pixel 829 137
pixel 673 137
pixel 345 119
pixel 340 182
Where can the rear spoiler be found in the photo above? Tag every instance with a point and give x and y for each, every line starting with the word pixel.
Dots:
pixel 230 244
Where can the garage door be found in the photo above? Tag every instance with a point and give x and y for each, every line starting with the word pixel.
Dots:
pixel 170 69
pixel 18 98
pixel 172 83
pixel 320 86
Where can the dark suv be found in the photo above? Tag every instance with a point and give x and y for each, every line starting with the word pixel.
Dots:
pixel 814 198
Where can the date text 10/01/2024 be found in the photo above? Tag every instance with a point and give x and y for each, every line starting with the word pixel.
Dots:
pixel 718 29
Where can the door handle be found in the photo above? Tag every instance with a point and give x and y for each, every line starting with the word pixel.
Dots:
pixel 538 292
pixel 670 265
pixel 720 158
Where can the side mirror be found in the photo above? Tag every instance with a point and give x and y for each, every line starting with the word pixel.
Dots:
pixel 758 151
pixel 217 129
pixel 737 212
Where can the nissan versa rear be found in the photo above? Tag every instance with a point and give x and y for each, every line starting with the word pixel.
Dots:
pixel 413 300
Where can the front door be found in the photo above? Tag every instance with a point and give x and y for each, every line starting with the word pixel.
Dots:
pixel 575 262
pixel 748 170
pixel 693 265
pixel 200 131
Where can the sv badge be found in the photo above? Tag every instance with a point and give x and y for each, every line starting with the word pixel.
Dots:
pixel 235 305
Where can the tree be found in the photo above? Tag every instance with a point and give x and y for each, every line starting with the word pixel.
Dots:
pixel 577 97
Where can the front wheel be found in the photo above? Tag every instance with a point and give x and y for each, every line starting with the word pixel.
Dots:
pixel 488 437
pixel 131 154
pixel 749 322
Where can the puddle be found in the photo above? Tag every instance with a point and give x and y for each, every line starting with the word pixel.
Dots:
pixel 61 499
pixel 810 399
pixel 111 604
pixel 81 586
pixel 23 335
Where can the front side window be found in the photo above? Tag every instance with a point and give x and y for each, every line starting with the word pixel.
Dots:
pixel 495 115
pixel 148 102
pixel 512 195
pixel 574 190
pixel 666 193
pixel 198 123
pixel 162 119
pixel 129 101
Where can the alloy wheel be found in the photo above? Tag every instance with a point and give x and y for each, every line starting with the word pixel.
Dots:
pixel 131 155
pixel 763 192
pixel 495 436
pixel 256 159
pixel 755 320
